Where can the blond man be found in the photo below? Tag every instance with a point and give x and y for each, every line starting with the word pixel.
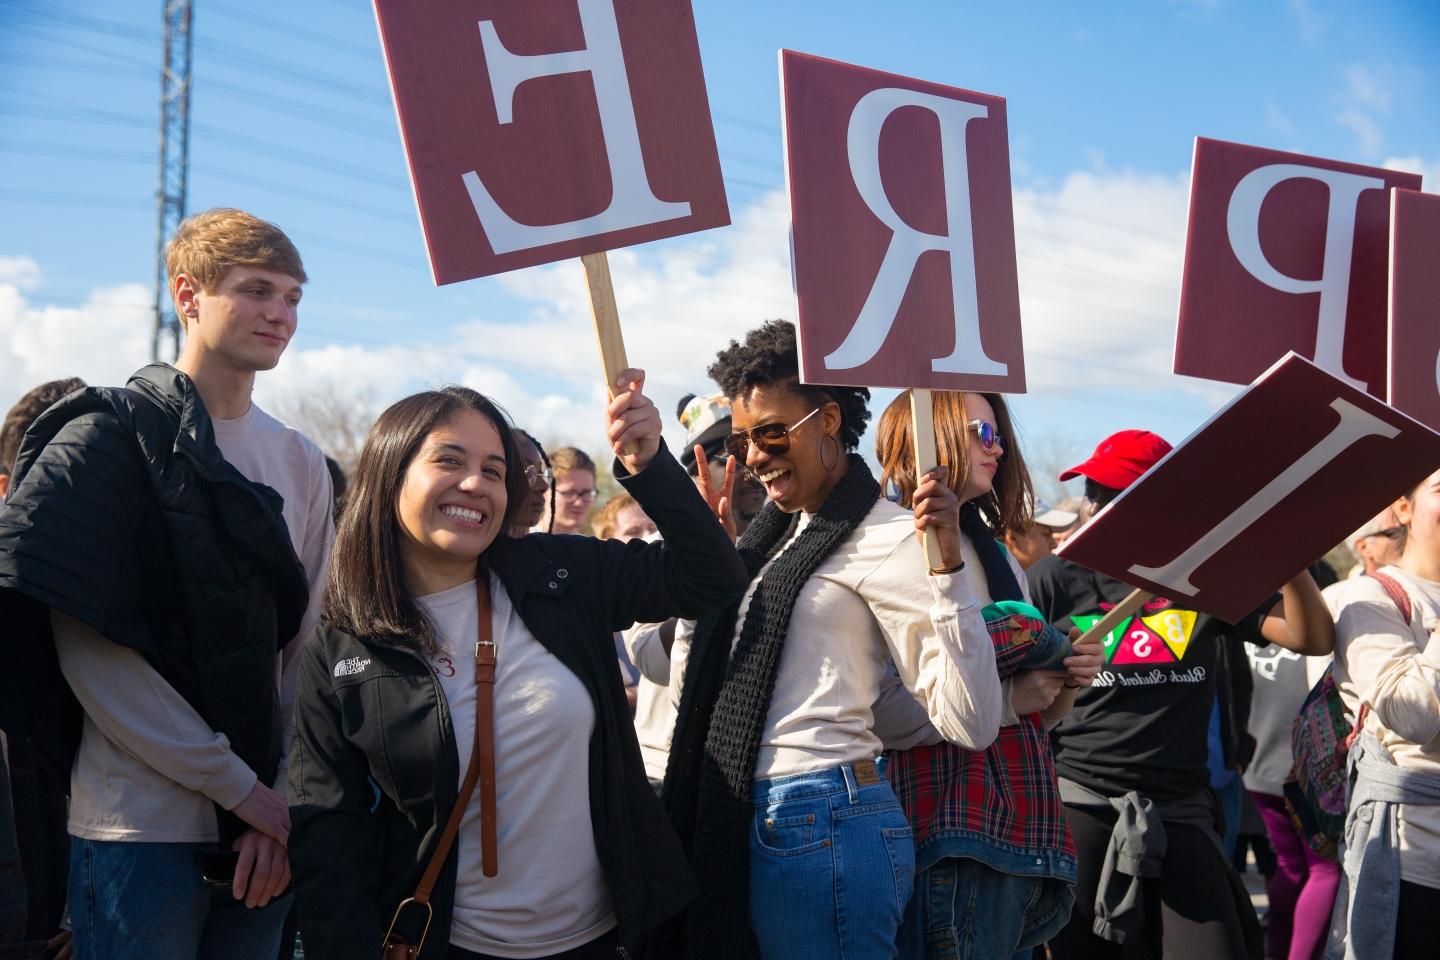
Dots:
pixel 178 536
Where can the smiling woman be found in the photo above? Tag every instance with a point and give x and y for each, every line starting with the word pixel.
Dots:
pixel 423 584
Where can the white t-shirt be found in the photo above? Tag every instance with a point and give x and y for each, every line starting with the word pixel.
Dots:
pixel 655 711
pixel 1396 669
pixel 148 767
pixel 868 603
pixel 550 895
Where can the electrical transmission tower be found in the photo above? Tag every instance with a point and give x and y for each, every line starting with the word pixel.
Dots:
pixel 174 166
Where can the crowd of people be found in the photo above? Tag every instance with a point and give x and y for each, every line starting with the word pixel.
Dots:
pixel 449 707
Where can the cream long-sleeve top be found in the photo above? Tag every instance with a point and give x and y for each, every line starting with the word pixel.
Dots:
pixel 870 603
pixel 1395 668
pixel 148 767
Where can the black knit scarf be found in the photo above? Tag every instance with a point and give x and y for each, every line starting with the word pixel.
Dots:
pixel 723 709
pixel 999 576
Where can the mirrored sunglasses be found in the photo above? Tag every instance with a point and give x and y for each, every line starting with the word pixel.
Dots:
pixel 985 430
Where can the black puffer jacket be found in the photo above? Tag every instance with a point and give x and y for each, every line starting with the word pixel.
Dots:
pixel 124 514
pixel 356 855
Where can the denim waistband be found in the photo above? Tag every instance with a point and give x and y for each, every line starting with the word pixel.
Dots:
pixel 848 778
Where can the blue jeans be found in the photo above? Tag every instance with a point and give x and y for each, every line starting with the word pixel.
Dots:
pixel 832 863
pixel 965 910
pixel 146 901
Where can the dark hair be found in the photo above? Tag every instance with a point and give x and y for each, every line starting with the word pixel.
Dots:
pixel 26 409
pixel 366 594
pixel 1007 507
pixel 338 483
pixel 545 459
pixel 769 356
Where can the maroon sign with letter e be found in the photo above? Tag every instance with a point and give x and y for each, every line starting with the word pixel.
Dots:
pixel 1415 305
pixel 548 129
pixel 1275 479
pixel 904 237
pixel 1284 252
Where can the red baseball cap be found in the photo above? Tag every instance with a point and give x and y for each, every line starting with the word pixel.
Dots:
pixel 1121 458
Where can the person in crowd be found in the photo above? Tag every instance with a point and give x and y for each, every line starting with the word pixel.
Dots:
pixel 996 864
pixel 574 492
pixel 707 423
pixel 1229 747
pixel 648 645
pixel 176 536
pixel 338 483
pixel 1301 889
pixel 1031 535
pixel 622 518
pixel 35 788
pixel 775 783
pixel 569 854
pixel 540 484
pixel 1380 542
pixel 1387 668
pixel 1131 755
pixel 35 402
pixel 1070 505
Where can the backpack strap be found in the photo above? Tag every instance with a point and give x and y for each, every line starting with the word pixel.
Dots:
pixel 1397 593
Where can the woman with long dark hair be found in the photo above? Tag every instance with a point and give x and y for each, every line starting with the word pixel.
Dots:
pixel 775 781
pixel 996 862
pixel 446 639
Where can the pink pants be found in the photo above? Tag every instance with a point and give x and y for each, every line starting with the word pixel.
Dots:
pixel 1301 892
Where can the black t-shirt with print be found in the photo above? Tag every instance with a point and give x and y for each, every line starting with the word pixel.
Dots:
pixel 1142 726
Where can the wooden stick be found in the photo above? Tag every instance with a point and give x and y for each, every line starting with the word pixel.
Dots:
pixel 1126 609
pixel 922 416
pixel 607 323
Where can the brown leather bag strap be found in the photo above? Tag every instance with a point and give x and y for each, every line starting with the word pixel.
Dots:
pixel 482 755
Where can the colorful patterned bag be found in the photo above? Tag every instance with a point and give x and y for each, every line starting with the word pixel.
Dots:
pixel 1320 740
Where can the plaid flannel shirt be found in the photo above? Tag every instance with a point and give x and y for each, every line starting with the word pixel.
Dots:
pixel 1001 805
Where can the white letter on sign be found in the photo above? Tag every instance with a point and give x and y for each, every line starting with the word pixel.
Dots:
pixel 1243 225
pixel 632 202
pixel 871 328
pixel 1354 424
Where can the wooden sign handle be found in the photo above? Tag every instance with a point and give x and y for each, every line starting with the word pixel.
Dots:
pixel 607 321
pixel 1117 615
pixel 922 417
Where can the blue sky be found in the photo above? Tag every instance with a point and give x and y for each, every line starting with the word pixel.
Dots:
pixel 292 120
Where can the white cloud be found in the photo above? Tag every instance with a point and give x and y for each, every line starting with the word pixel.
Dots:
pixel 1311 23
pixel 1364 104
pixel 1428 170
pixel 101 341
pixel 22 272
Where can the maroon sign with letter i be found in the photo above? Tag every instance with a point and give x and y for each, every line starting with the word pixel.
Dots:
pixel 1285 252
pixel 547 129
pixel 903 232
pixel 1280 475
pixel 1415 305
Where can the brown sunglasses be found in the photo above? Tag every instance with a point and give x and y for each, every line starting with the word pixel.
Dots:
pixel 771 438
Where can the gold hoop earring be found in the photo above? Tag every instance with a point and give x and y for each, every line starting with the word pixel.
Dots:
pixel 835 461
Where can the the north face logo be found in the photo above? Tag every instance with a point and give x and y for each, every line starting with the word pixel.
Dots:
pixel 350 667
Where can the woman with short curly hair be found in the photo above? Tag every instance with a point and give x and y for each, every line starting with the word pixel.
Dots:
pixel 775 781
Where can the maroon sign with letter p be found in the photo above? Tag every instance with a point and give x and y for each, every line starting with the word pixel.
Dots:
pixel 1275 479
pixel 548 129
pixel 903 232
pixel 1284 252
pixel 1415 305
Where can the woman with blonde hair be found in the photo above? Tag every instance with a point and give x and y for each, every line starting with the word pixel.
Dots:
pixel 995 861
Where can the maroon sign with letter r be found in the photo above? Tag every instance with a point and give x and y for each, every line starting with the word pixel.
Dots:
pixel 903 232
pixel 547 129
pixel 1280 475
pixel 1284 252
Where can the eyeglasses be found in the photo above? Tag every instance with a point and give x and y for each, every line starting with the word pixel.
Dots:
pixel 771 438
pixel 568 495
pixel 985 430
pixel 536 475
pixel 1390 533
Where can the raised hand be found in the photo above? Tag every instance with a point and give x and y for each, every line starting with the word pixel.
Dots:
pixel 632 423
pixel 719 500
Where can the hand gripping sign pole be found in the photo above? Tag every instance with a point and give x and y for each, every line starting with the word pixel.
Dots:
pixel 883 170
pixel 578 145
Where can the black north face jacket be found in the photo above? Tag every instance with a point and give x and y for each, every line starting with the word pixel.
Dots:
pixel 124 514
pixel 356 853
